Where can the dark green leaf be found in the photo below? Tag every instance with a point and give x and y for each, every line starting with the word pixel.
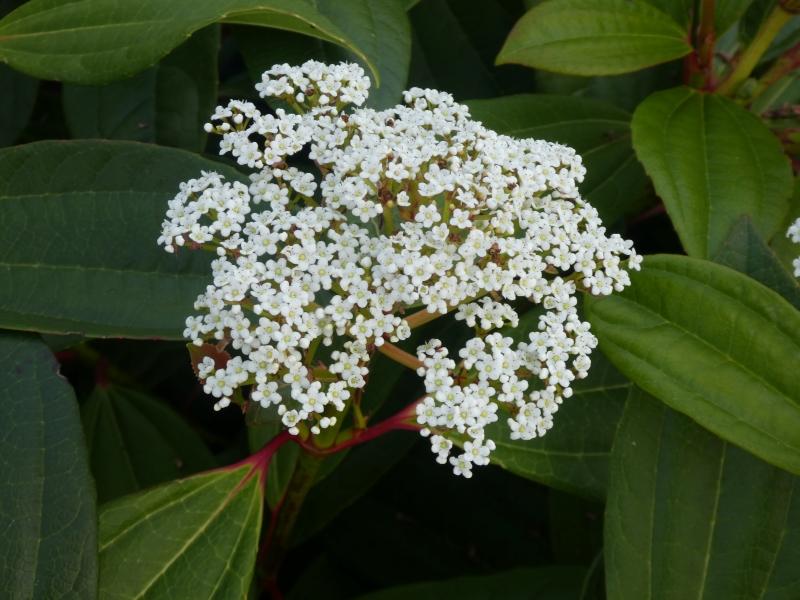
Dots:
pixel 690 516
pixel 600 133
pixel 359 471
pixel 462 62
pixel 193 538
pixel 624 91
pixel 380 27
pixel 745 251
pixel 711 343
pixel 680 10
pixel 711 162
pixel 543 583
pixel 136 441
pixel 91 41
pixel 727 13
pixel 16 103
pixel 781 244
pixel 47 505
pixel 259 432
pixel 594 37
pixel 79 254
pixel 167 104
pixel 573 456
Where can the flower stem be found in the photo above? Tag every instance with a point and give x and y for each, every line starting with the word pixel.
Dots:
pixel 400 356
pixel 276 541
pixel 421 317
pixel 753 53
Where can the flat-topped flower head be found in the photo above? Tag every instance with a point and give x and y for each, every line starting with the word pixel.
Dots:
pixel 416 207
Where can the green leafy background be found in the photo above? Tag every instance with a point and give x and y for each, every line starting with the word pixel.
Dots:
pixel 671 473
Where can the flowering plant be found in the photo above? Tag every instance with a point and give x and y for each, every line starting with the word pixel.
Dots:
pixel 353 304
pixel 414 211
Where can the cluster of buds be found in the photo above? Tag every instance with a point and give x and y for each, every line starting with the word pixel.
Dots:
pixel 416 208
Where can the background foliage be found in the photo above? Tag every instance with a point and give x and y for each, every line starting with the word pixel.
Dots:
pixel 671 473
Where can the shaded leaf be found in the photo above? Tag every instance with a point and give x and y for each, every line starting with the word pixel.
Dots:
pixel 745 251
pixel 193 538
pixel 47 505
pixel 600 133
pixel 380 27
pixel 80 253
pixel 136 441
pixel 711 162
pixel 362 468
pixel 462 62
pixel 542 583
pixel 16 103
pixel 166 104
pixel 711 343
pixel 781 244
pixel 594 37
pixel 690 516
pixel 573 456
pixel 90 41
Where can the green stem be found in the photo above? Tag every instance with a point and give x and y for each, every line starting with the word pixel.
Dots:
pixel 388 218
pixel 753 53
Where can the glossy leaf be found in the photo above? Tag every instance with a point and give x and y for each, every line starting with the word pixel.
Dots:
pixel 90 41
pixel 193 538
pixel 745 251
pixel 79 254
pixel 380 27
pixel 47 505
pixel 600 133
pixel 594 37
pixel 166 104
pixel 573 456
pixel 711 162
pixel 16 103
pixel 691 516
pixel 135 442
pixel 711 343
pixel 542 583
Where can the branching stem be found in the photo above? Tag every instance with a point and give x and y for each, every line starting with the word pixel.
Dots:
pixel 753 53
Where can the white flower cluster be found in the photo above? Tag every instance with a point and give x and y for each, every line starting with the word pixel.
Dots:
pixel 412 208
pixel 794 235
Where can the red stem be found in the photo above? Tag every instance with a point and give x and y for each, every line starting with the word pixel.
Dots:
pixel 398 421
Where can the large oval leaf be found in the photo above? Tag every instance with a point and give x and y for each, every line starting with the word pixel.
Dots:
pixel 47 507
pixel 711 162
pixel 599 132
pixel 166 104
pixel 135 442
pixel 594 37
pixel 78 251
pixel 90 41
pixel 193 538
pixel 573 456
pixel 714 344
pixel 691 516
